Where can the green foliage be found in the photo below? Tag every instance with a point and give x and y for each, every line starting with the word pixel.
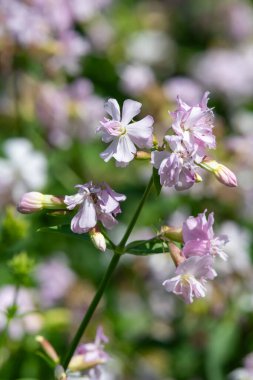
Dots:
pixel 21 267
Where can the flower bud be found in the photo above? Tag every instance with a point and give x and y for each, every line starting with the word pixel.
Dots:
pixel 176 254
pixel 172 233
pixel 48 348
pixel 141 155
pixel 59 373
pixel 98 239
pixel 221 172
pixel 34 201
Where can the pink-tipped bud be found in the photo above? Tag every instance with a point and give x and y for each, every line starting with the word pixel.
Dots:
pixel 221 172
pixel 34 201
pixel 176 254
pixel 98 239
pixel 48 348
pixel 172 233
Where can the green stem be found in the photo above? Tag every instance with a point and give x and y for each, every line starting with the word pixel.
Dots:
pixel 131 225
pixel 115 259
pixel 91 309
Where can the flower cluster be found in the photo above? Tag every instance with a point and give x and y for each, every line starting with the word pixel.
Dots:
pixel 183 152
pixel 51 28
pixel 195 260
pixel 95 203
pixel 192 135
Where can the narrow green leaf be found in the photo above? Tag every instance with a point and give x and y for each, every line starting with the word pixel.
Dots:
pixel 147 247
pixel 65 229
pixel 156 179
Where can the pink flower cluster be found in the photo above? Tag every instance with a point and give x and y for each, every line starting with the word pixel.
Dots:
pixel 95 203
pixel 195 266
pixel 192 135
pixel 51 28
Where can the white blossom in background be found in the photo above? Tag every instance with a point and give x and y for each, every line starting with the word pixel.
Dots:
pixel 19 326
pixel 228 71
pixel 54 278
pixel 183 87
pixel 136 78
pixel 22 169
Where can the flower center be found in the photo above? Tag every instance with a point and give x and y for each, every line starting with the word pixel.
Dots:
pixel 115 128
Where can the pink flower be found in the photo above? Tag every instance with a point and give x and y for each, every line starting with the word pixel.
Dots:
pixel 123 135
pixel 200 239
pixel 96 203
pixel 89 357
pixel 194 124
pixel 175 168
pixel 190 279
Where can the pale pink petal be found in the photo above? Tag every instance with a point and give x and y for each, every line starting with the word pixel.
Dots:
pixel 112 108
pixel 130 109
pixel 125 150
pixel 141 131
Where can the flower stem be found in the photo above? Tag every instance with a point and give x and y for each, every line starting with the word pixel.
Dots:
pixel 136 215
pixel 91 309
pixel 114 261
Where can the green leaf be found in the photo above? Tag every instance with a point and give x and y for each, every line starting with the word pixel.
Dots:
pixel 65 229
pixel 147 247
pixel 156 179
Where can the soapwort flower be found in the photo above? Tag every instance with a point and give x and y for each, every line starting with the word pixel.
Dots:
pixel 123 134
pixel 96 203
pixel 194 262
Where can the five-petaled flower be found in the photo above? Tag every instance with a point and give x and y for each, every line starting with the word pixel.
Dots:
pixel 123 134
pixel 191 277
pixel 96 203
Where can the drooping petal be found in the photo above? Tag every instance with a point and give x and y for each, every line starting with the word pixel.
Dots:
pixel 86 217
pixel 130 109
pixel 107 154
pixel 112 108
pixel 186 179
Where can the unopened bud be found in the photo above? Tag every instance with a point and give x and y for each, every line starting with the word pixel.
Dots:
pixel 48 348
pixel 78 363
pixel 98 239
pixel 141 155
pixel 221 172
pixel 172 233
pixel 59 373
pixel 34 201
pixel 176 254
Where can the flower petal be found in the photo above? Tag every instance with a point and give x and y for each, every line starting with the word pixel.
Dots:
pixel 112 108
pixel 141 131
pixel 131 108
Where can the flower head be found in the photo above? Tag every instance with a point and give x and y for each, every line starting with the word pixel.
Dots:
pixel 95 203
pixel 194 124
pixel 199 237
pixel 186 147
pixel 190 279
pixel 123 135
pixel 89 356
